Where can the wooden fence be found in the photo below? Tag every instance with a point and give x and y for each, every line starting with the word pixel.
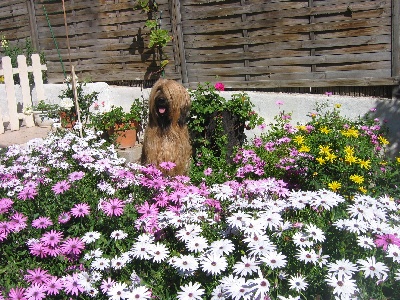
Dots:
pixel 254 44
pixel 16 113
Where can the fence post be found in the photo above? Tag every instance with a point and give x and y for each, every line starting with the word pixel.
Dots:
pixel 395 38
pixel 10 92
pixel 178 38
pixel 30 5
pixel 26 93
pixel 37 75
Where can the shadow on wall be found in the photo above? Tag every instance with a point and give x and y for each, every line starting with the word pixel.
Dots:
pixel 388 111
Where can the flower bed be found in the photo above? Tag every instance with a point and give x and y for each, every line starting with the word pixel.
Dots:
pixel 77 221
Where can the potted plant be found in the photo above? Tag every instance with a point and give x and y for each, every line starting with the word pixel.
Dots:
pixel 68 113
pixel 119 126
pixel 44 114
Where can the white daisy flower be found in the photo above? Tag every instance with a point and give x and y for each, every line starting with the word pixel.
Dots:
pixel 118 291
pixel 190 291
pixel 189 232
pixel 298 283
pixel 307 256
pixel 302 239
pixel 248 265
pixel 141 250
pixel 238 220
pixel 159 252
pixel 185 263
pixel 139 293
pixel 315 233
pixel 197 244
pixel 342 284
pixel 360 212
pixel 356 226
pixel 100 263
pixel 274 259
pixel 342 267
pixel 218 293
pixel 372 268
pixel 118 234
pixel 261 247
pixel 239 289
pixel 90 237
pixel 393 251
pixel 365 242
pixel 213 263
pixel 222 247
pixel 260 287
pixel 118 263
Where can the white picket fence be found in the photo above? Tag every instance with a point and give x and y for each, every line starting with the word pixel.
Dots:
pixel 13 116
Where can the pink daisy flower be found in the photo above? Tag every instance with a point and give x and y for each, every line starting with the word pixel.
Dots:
pixel 167 165
pixel 71 284
pixel 385 240
pixel 113 207
pixel 52 251
pixel 207 171
pixel 27 193
pixel 106 285
pixel 72 246
pixel 64 217
pixel 80 210
pixel 51 238
pixel 6 227
pixel 5 205
pixel 37 249
pixel 61 187
pixel 38 276
pixel 42 222
pixel 17 294
pixel 74 176
pixel 148 210
pixel 53 285
pixel 19 221
pixel 35 292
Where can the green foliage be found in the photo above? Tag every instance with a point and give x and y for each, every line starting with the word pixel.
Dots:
pixel 85 101
pixel 330 151
pixel 211 146
pixel 116 115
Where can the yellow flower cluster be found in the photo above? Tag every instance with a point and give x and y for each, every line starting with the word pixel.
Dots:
pixel 350 132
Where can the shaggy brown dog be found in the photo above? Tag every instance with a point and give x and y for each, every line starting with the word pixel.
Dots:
pixel 166 137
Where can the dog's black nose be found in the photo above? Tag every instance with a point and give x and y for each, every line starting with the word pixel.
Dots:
pixel 161 102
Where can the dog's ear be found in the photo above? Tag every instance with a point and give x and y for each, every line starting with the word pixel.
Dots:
pixel 184 115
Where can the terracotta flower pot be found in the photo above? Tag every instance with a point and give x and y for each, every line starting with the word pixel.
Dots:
pixel 124 138
pixel 67 121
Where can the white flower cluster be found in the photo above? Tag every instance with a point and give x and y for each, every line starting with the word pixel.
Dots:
pixel 66 103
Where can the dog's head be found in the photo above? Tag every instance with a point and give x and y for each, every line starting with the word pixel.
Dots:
pixel 169 104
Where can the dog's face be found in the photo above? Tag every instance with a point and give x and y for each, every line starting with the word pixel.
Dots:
pixel 169 104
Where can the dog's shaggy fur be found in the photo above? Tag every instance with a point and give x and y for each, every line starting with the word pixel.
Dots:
pixel 166 137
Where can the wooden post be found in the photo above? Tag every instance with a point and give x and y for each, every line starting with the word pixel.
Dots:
pixel 26 92
pixel 176 11
pixel 37 75
pixel 246 46
pixel 10 92
pixel 395 38
pixel 30 5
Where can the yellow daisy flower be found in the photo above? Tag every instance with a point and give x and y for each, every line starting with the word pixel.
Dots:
pixel 338 105
pixel 321 160
pixel 335 185
pixel 365 164
pixel 302 127
pixel 325 130
pixel 331 157
pixel 398 160
pixel 383 140
pixel 362 189
pixel 351 132
pixel 349 150
pixel 324 149
pixel 299 139
pixel 304 148
pixel 357 179
pixel 350 159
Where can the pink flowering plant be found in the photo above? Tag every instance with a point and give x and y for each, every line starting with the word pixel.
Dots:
pixel 78 221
